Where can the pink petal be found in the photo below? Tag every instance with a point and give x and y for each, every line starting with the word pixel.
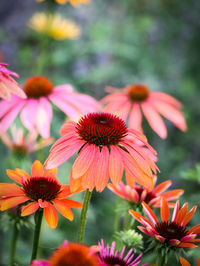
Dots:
pixel 44 117
pixel 155 120
pixel 115 165
pixel 135 118
pixel 28 114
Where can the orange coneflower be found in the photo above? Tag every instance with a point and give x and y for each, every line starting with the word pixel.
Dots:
pixel 137 98
pixel 71 254
pixel 106 147
pixel 137 194
pixel 172 233
pixel 41 189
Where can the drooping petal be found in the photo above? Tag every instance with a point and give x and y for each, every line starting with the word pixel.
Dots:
pixel 83 161
pixel 11 202
pixel 187 245
pixel 44 117
pixel 28 114
pixel 115 165
pixel 72 203
pixel 173 194
pixel 154 119
pixel 64 209
pixel 37 169
pixel 166 98
pixel 29 208
pixel 51 216
pixel 184 262
pixel 135 118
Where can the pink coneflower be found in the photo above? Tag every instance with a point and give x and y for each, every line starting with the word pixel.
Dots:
pixel 137 98
pixel 36 110
pixel 8 85
pixel 71 254
pixel 171 233
pixel 137 194
pixel 22 143
pixel 108 256
pixel 40 190
pixel 106 147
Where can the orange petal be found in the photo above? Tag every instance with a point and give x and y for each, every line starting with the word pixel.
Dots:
pixel 11 202
pixel 115 165
pixel 162 187
pixel 164 210
pixel 64 209
pixel 73 203
pixel 181 214
pixel 149 213
pixel 188 216
pixel 198 261
pixel 9 190
pixel 22 173
pixel 51 173
pixel 29 208
pixel 173 194
pixel 51 216
pixel 184 262
pixel 14 176
pixel 37 169
pixel 194 230
pixel 140 218
pixel 175 212
pixel 187 245
pixel 64 192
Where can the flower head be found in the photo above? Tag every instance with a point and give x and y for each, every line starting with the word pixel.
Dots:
pixel 112 257
pixel 54 26
pixel 106 147
pixel 174 232
pixel 72 2
pixel 137 98
pixel 36 111
pixel 71 254
pixel 8 86
pixel 41 189
pixel 137 194
pixel 21 144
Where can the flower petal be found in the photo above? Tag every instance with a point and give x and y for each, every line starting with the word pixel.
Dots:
pixel 149 213
pixel 162 187
pixel 135 118
pixel 64 209
pixel 115 165
pixel 8 190
pixel 37 169
pixel 187 245
pixel 11 202
pixel 29 208
pixel 188 216
pixel 51 216
pixel 140 218
pixel 164 210
pixel 184 262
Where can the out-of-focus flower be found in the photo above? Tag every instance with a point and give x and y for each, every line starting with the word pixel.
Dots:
pixel 137 194
pixel 137 98
pixel 54 26
pixel 73 2
pixel 111 257
pixel 71 254
pixel 8 86
pixel 36 111
pixel 20 143
pixel 184 262
pixel 106 147
pixel 172 233
pixel 41 189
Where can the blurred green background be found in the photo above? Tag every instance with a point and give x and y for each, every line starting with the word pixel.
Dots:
pixel 122 42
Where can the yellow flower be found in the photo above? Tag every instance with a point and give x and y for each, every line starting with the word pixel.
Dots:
pixel 54 26
pixel 72 2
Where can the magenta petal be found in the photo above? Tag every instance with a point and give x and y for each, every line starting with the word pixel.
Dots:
pixel 40 263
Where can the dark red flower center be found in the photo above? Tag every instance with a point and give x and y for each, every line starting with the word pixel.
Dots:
pixel 149 195
pixel 171 230
pixel 73 255
pixel 38 86
pixel 101 129
pixel 20 149
pixel 138 92
pixel 45 188
pixel 115 260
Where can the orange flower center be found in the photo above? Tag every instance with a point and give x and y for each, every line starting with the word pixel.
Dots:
pixel 101 129
pixel 45 188
pixel 73 255
pixel 171 230
pixel 38 86
pixel 138 92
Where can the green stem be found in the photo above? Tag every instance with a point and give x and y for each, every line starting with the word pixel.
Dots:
pixel 161 260
pixel 38 222
pixel 81 229
pixel 13 244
